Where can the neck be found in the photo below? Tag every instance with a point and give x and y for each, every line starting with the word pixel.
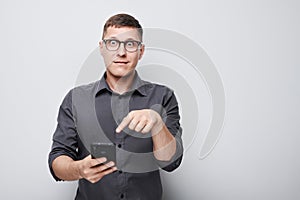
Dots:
pixel 120 85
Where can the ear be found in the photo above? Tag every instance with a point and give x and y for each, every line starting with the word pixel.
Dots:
pixel 101 47
pixel 141 51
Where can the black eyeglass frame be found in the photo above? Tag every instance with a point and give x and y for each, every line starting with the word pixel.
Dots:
pixel 124 43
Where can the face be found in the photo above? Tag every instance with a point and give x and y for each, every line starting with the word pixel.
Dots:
pixel 121 63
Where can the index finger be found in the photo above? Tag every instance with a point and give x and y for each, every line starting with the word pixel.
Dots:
pixel 97 161
pixel 124 123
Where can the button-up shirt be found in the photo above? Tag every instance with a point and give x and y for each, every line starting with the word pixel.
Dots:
pixel 91 113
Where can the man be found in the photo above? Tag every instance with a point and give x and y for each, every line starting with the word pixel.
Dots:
pixel 140 118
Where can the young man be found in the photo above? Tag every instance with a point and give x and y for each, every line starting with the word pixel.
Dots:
pixel 140 118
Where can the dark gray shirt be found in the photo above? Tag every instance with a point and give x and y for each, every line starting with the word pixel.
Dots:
pixel 91 113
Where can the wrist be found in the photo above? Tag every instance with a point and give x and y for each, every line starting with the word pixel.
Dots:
pixel 74 167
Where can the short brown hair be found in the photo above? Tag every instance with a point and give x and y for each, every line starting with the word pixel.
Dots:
pixel 122 20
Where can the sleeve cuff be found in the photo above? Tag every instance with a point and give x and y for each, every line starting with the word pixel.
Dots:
pixel 175 160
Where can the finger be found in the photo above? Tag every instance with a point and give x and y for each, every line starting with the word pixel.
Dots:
pixel 97 161
pixel 133 124
pixel 147 128
pixel 140 126
pixel 109 171
pixel 109 164
pixel 105 167
pixel 124 123
pixel 95 178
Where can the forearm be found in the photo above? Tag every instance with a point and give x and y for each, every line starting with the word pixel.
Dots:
pixel 164 144
pixel 66 168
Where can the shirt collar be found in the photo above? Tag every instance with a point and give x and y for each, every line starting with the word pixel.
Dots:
pixel 137 85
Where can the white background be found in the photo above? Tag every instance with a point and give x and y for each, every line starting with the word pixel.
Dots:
pixel 253 44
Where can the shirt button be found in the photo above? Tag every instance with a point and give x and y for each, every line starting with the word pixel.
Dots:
pixel 122 196
pixel 119 145
pixel 120 171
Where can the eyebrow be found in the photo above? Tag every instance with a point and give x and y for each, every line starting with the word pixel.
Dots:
pixel 128 39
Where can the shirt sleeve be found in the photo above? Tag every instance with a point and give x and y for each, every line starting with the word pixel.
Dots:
pixel 171 117
pixel 64 141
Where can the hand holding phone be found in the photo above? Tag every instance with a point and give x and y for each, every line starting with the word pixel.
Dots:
pixel 107 150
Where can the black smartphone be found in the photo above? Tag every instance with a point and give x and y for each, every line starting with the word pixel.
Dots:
pixel 107 150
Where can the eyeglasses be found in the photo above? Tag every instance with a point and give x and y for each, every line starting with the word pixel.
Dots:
pixel 114 45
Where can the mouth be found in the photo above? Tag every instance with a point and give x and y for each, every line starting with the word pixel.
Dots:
pixel 119 62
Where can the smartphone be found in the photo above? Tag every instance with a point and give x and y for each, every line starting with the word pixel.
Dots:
pixel 107 150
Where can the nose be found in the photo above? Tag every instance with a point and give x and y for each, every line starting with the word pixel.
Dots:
pixel 122 50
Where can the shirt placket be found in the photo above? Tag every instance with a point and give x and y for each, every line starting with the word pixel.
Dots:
pixel 120 110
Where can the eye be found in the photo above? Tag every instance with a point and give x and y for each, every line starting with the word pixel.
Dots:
pixel 130 43
pixel 113 42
